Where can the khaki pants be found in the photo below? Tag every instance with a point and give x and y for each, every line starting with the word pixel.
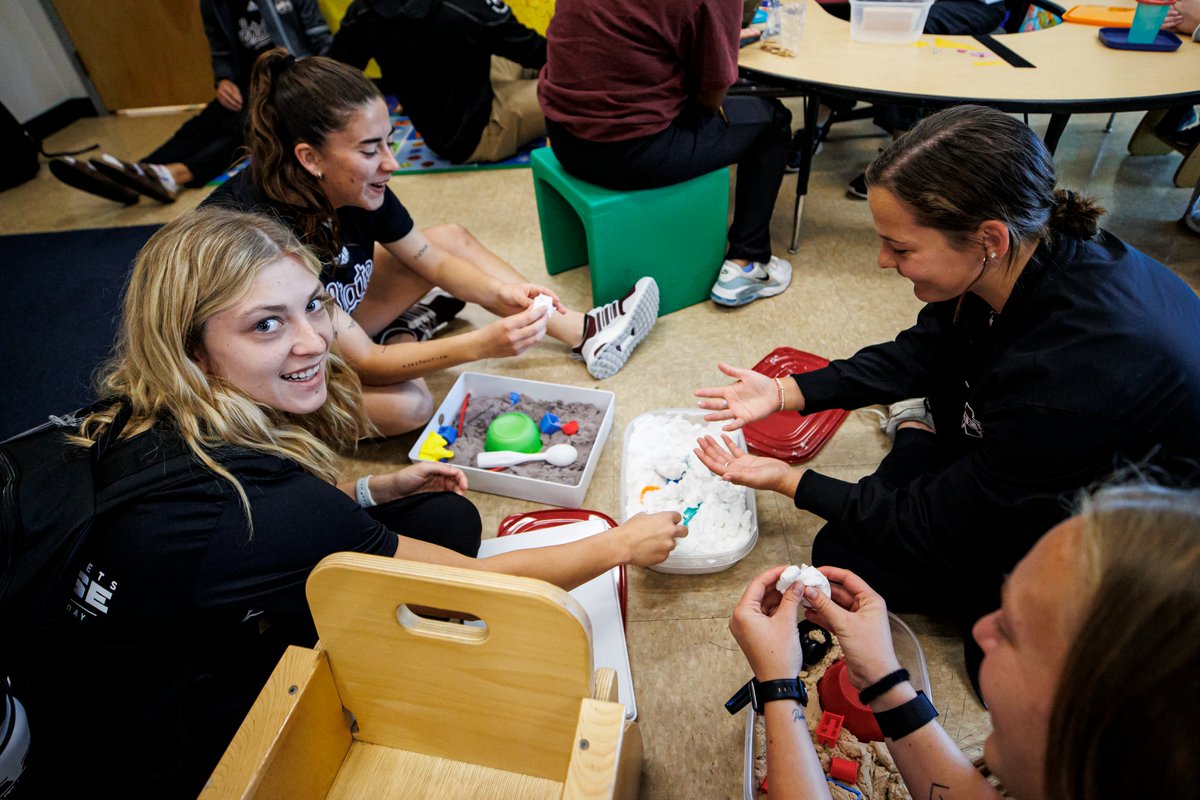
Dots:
pixel 516 117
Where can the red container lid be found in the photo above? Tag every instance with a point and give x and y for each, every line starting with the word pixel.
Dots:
pixel 838 696
pixel 525 521
pixel 788 435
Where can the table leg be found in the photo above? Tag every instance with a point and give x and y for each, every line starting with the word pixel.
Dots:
pixel 812 102
pixel 1058 124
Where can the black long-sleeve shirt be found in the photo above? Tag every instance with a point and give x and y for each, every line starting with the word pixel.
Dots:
pixel 435 56
pixel 1094 364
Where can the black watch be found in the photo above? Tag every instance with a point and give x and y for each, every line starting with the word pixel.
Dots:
pixel 756 693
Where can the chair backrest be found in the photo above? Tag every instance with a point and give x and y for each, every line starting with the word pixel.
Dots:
pixel 506 695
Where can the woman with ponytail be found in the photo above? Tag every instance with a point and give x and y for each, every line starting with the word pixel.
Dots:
pixel 1049 353
pixel 319 138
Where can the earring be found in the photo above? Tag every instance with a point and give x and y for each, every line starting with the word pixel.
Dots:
pixel 993 255
pixel 321 177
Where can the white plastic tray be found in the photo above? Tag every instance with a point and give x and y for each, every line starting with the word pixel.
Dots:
pixel 478 384
pixel 692 564
pixel 909 653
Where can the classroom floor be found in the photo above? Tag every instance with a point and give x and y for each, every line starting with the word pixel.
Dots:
pixel 684 660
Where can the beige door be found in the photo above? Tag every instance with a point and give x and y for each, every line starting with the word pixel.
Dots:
pixel 141 52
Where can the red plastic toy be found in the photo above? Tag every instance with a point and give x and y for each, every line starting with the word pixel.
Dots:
pixel 844 770
pixel 829 727
pixel 571 428
pixel 762 787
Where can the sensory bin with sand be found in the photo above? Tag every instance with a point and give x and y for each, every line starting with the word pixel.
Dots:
pixel 877 777
pixel 660 472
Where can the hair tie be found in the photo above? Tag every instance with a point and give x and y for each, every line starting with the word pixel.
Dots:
pixel 280 65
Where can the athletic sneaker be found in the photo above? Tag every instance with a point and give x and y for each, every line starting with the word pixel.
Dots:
pixel 426 318
pixel 613 330
pixel 915 409
pixel 83 176
pixel 857 186
pixel 737 285
pixel 139 177
pixel 1191 218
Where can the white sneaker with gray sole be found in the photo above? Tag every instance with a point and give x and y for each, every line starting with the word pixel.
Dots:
pixel 613 330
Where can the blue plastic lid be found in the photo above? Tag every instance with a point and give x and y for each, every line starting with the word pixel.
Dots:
pixel 1118 39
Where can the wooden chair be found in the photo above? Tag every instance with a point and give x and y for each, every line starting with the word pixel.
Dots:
pixel 392 704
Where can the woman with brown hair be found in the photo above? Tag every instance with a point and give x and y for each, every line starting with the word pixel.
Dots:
pixel 1089 667
pixel 1049 353
pixel 319 137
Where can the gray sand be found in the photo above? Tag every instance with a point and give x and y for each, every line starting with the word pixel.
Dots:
pixel 482 410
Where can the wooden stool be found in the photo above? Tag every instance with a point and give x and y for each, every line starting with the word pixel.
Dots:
pixel 675 234
pixel 434 709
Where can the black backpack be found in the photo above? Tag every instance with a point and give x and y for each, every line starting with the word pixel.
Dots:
pixel 50 492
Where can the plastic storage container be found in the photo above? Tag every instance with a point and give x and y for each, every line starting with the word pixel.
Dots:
pixel 518 486
pixel 696 564
pixel 909 653
pixel 888 21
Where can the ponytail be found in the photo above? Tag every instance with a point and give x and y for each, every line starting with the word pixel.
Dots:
pixel 293 101
pixel 1074 215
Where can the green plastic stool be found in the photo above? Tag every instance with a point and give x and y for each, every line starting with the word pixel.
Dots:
pixel 675 234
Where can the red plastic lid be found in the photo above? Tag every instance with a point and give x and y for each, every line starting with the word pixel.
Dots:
pixel 838 696
pixel 788 435
pixel 526 521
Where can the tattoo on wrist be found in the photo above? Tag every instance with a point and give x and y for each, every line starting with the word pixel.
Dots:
pixel 936 795
pixel 422 362
pixel 798 717
pixel 421 252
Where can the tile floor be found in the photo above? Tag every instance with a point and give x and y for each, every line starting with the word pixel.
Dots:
pixel 685 662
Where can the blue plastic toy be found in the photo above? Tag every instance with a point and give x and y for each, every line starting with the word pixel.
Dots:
pixel 549 424
pixel 514 398
pixel 688 513
pixel 447 432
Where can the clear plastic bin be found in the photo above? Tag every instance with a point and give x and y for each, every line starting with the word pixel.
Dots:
pixel 888 21
pixel 909 653
pixel 698 563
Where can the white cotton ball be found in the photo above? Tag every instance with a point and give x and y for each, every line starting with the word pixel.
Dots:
pixel 809 576
pixel 546 302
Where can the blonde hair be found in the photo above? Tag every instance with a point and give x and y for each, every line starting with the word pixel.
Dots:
pixel 200 264
pixel 1126 710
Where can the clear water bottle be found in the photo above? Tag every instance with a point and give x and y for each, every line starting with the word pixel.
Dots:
pixel 773 21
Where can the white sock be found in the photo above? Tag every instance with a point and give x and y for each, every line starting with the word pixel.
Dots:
pixel 164 176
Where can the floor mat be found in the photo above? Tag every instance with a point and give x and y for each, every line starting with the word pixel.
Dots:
pixel 62 327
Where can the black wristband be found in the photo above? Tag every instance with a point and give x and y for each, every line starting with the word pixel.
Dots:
pixel 882 685
pixel 898 722
pixel 781 689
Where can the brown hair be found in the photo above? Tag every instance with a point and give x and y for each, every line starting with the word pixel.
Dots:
pixel 292 101
pixel 967 164
pixel 1126 715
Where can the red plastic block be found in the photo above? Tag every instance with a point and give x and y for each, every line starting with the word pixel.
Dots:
pixel 571 428
pixel 844 770
pixel 829 727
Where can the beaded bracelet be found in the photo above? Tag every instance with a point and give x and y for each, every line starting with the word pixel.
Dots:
pixel 779 385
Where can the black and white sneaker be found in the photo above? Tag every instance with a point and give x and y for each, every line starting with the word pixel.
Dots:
pixel 85 177
pixel 157 184
pixel 857 187
pixel 613 330
pixel 425 319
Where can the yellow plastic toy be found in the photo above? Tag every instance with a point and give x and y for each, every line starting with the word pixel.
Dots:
pixel 434 449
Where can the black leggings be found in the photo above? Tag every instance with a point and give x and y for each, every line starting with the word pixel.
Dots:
pixel 207 144
pixel 442 518
pixel 752 132
pixel 908 583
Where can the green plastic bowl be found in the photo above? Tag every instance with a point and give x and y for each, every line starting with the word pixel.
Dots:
pixel 513 431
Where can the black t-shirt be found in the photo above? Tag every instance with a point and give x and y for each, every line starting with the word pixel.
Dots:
pixel 177 618
pixel 347 276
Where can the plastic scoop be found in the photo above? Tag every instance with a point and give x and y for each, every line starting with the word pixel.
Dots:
pixel 559 455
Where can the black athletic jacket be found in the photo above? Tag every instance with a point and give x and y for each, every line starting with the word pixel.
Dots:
pixel 1093 364
pixel 435 56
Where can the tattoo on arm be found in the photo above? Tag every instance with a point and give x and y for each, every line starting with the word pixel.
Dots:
pixel 421 252
pixel 798 717
pixel 936 795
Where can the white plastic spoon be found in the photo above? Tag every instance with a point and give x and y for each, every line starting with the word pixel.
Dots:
pixel 559 455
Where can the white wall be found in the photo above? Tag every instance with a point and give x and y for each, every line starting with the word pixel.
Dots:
pixel 38 74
